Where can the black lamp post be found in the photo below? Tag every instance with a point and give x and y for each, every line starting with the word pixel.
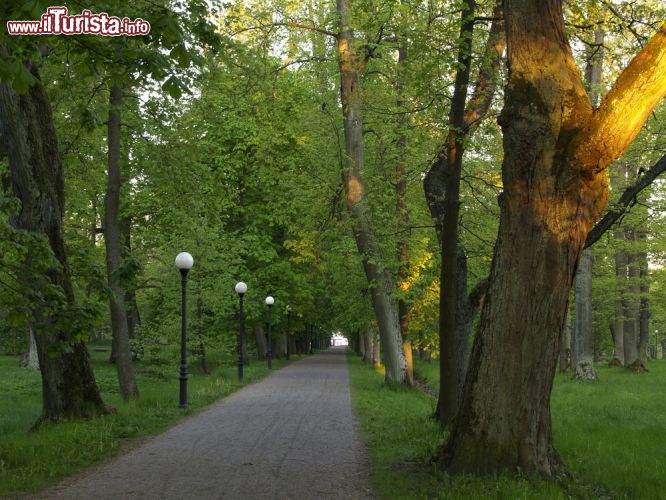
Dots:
pixel 269 302
pixel 184 262
pixel 288 331
pixel 240 288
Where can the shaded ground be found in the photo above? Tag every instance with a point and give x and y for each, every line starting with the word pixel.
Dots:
pixel 290 435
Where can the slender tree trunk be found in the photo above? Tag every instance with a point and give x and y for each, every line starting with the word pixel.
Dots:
pixel 200 336
pixel 33 358
pixel 504 419
pixel 442 189
pixel 565 343
pixel 582 343
pixel 381 282
pixel 644 304
pixel 121 347
pixel 631 309
pixel 260 339
pixel 403 214
pixel 69 389
pixel 376 348
pixel 617 329
pixel 368 338
pixel 131 306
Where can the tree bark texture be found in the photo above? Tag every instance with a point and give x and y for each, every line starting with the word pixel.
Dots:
pixel 112 239
pixel 382 285
pixel 582 344
pixel 376 348
pixel 631 307
pixel 69 389
pixel 131 306
pixel 565 343
pixel 556 152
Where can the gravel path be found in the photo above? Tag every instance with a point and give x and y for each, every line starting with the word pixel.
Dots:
pixel 290 435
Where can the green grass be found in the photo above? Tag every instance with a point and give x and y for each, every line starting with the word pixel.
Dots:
pixel 30 461
pixel 610 433
pixel 613 432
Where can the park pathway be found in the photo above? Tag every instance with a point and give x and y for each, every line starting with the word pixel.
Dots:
pixel 290 435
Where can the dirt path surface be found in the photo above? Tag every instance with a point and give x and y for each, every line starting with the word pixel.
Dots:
pixel 290 435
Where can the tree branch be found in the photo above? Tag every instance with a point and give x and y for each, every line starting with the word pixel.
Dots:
pixel 625 202
pixel 482 96
pixel 624 110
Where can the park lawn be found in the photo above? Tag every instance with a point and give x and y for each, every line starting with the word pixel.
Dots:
pixel 611 434
pixel 30 461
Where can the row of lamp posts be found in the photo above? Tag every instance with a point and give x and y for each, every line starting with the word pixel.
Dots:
pixel 184 262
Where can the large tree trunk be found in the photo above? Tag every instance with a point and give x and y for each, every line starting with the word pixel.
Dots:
pixel 122 353
pixel 582 343
pixel 381 282
pixel 555 186
pixel 69 389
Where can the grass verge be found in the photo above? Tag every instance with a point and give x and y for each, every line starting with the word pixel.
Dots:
pixel 610 433
pixel 30 461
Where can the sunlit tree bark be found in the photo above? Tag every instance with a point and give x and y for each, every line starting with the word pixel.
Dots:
pixel 556 155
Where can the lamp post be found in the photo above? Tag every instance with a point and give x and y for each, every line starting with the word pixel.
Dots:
pixel 288 330
pixel 184 262
pixel 269 302
pixel 240 288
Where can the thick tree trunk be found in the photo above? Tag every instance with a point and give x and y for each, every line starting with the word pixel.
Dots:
pixel 555 186
pixel 582 344
pixel 121 348
pixel 131 306
pixel 547 209
pixel 69 389
pixel 382 285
